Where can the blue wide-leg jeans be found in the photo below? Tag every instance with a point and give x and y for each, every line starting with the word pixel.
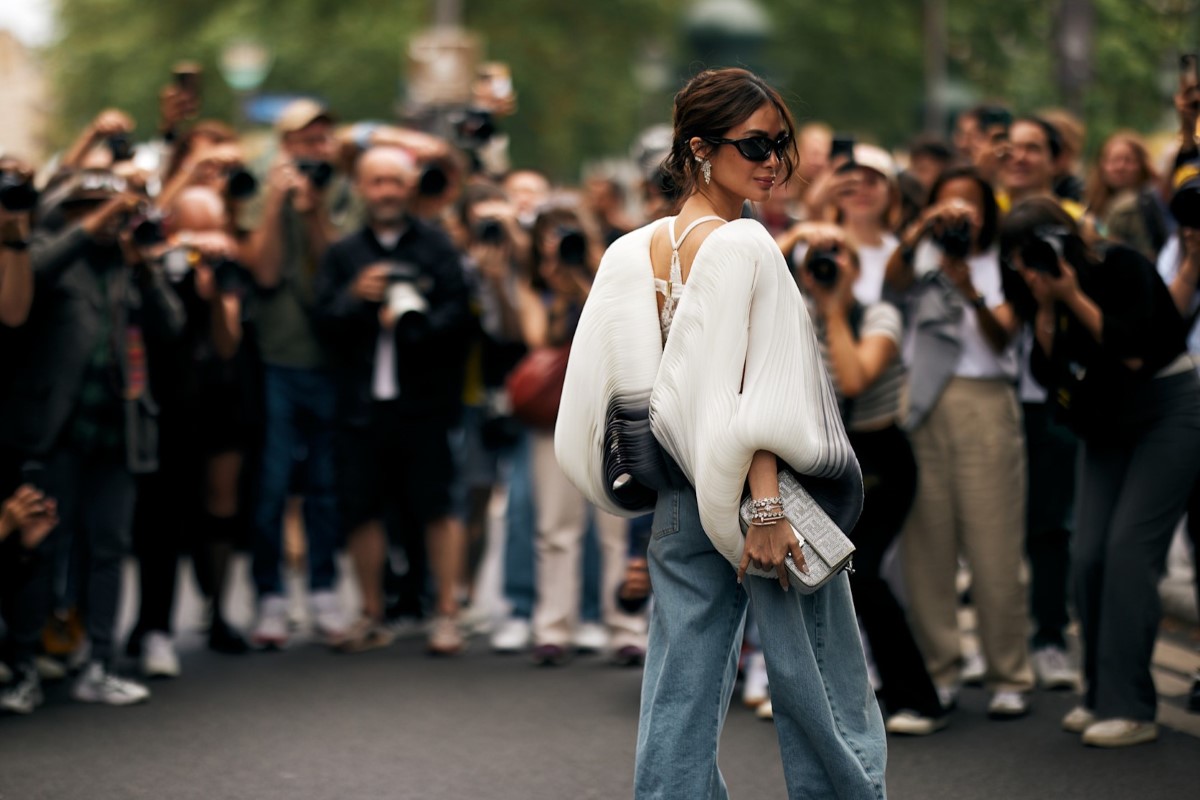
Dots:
pixel 829 725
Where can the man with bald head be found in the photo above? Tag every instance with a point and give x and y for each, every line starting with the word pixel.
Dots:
pixel 392 303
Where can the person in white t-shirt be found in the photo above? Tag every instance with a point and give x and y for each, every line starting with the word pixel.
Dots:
pixel 965 424
pixel 867 202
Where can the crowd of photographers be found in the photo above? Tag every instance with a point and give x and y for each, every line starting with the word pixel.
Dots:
pixel 354 331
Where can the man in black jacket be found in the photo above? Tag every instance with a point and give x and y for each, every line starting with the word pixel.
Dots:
pixel 80 412
pixel 392 302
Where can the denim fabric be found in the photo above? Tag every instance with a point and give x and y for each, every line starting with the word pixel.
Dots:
pixel 300 413
pixel 829 725
pixel 518 540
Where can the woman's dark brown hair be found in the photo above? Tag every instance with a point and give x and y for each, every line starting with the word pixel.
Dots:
pixel 711 104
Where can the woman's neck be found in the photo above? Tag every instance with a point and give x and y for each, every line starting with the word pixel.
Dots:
pixel 864 233
pixel 705 202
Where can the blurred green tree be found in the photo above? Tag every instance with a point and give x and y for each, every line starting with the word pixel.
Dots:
pixel 856 65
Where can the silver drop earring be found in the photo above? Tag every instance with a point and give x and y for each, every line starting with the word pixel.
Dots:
pixel 706 168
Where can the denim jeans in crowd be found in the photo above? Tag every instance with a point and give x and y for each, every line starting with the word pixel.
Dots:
pixel 827 719
pixel 300 408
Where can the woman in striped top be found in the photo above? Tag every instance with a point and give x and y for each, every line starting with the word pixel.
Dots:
pixel 861 347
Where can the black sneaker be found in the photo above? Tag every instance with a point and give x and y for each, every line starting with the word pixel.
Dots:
pixel 224 639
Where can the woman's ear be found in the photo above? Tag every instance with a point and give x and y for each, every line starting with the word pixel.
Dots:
pixel 700 148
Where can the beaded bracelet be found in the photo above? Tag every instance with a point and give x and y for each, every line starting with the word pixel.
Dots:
pixel 766 502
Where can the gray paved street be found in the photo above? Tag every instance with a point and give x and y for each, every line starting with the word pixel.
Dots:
pixel 306 723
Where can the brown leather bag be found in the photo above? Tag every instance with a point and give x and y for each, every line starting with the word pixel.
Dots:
pixel 535 386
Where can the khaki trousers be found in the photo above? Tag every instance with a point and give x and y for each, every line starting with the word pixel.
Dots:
pixel 562 514
pixel 970 501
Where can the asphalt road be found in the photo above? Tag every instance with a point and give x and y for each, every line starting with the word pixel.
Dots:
pixel 306 723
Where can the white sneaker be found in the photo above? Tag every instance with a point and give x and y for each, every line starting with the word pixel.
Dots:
pixel 1053 668
pixel 765 711
pixel 1007 705
pixel 158 656
pixel 754 680
pixel 328 622
pixel 271 629
pixel 1078 720
pixel 97 685
pixel 1119 733
pixel 512 636
pixel 974 668
pixel 591 637
pixel 23 696
pixel 910 723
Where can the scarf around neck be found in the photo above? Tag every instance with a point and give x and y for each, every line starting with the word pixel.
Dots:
pixel 740 372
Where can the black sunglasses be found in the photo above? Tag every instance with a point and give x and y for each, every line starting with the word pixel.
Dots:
pixel 756 148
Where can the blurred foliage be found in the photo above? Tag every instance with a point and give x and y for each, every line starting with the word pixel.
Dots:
pixel 855 65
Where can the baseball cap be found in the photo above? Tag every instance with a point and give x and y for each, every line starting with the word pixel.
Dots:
pixel 876 159
pixel 299 114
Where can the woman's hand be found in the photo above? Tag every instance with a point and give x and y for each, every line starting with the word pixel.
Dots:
pixel 767 548
pixel 1048 289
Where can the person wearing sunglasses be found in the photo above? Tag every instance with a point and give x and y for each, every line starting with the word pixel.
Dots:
pixel 695 378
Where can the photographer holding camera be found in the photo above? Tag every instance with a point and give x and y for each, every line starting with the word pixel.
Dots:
pixel 861 347
pixel 393 305
pixel 965 425
pixel 550 306
pixel 283 255
pixel 191 503
pixel 81 404
pixel 1112 355
pixel 17 197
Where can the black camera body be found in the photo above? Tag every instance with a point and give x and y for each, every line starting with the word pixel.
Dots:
pixel 16 191
pixel 229 276
pixel 823 265
pixel 954 239
pixel 1044 251
pixel 489 231
pixel 319 173
pixel 146 227
pixel 240 183
pixel 433 181
pixel 572 247
pixel 1185 202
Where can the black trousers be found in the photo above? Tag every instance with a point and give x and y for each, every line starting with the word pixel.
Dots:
pixel 1132 494
pixel 890 480
pixel 95 494
pixel 1052 452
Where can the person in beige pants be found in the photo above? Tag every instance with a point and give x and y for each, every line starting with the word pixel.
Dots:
pixel 970 501
pixel 965 425
pixel 562 516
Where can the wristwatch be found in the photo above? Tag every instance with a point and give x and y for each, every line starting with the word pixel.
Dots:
pixel 979 302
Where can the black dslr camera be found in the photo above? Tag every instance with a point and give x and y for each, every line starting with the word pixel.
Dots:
pixel 823 266
pixel 954 239
pixel 572 247
pixel 16 191
pixel 488 231
pixel 319 173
